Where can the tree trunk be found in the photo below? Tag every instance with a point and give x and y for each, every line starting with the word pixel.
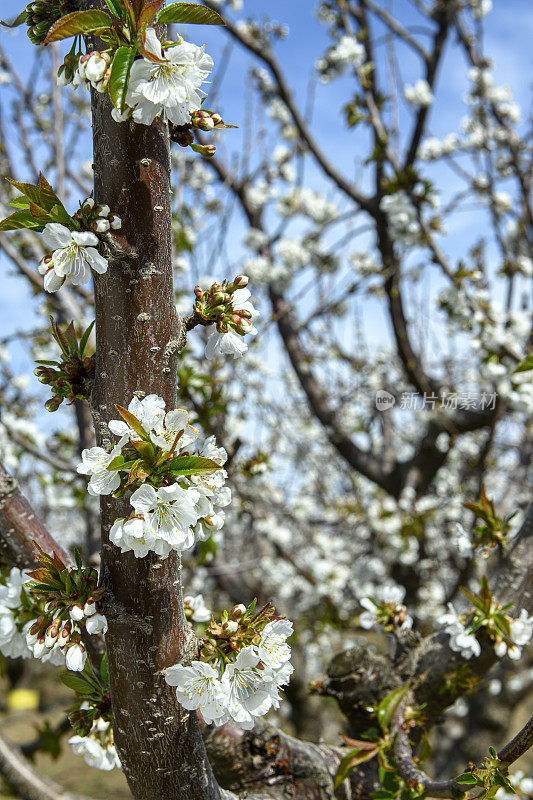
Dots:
pixel 137 334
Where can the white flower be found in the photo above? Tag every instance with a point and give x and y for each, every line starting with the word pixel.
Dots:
pixel 93 753
pixel 169 513
pixel 420 94
pixel 368 618
pixel 164 431
pixel 230 343
pixel 460 641
pixel 201 613
pixel 198 688
pixel 97 623
pixel 250 692
pixel 168 85
pixel 522 628
pixel 94 463
pixel 273 649
pixel 76 658
pixel 10 591
pixel 133 535
pixel 12 641
pixel 74 255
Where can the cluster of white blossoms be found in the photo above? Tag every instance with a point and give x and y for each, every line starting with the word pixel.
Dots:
pixel 47 638
pixel 231 342
pixel 12 635
pixel 240 690
pixel 97 747
pixel 385 610
pixel 92 69
pixel 166 85
pixel 460 640
pixel 464 641
pixel 186 506
pixel 402 217
pixel 346 52
pixel 419 94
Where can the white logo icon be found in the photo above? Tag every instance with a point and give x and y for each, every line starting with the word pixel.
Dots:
pixel 384 400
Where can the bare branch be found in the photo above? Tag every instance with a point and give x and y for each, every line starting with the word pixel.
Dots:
pixel 25 780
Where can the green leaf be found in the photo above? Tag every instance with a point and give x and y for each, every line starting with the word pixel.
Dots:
pixel 39 213
pixel 28 190
pixel 132 421
pixel 77 558
pixel 192 465
pixel 48 198
pixel 466 777
pixel 388 706
pixel 76 683
pixel 120 73
pixel 526 364
pixel 59 214
pixel 20 202
pixel 79 22
pixel 191 13
pixel 115 8
pixel 20 20
pixel 20 219
pixel 147 452
pixel 85 338
pixel 149 11
pixel 350 761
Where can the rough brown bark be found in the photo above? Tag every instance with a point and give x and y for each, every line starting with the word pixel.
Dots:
pixel 137 334
pixel 19 527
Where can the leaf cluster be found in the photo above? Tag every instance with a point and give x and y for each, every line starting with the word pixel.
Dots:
pixel 37 206
pixel 145 462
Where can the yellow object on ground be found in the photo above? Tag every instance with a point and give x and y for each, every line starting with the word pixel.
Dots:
pixel 22 700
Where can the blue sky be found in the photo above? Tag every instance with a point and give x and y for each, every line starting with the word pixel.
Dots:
pixel 508 37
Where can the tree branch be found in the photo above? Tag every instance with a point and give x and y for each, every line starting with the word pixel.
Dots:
pixel 19 526
pixel 24 778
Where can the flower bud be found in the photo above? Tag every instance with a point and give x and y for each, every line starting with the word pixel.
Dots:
pixel 207 150
pixel 51 635
pixel 102 211
pixel 76 657
pixel 53 403
pixel 95 68
pixel 89 608
pixel 76 613
pixel 231 626
pixel 102 226
pixel 239 610
pixel 63 79
pixel 40 648
pixel 96 624
pixel 115 222
pixel 217 119
pixel 33 635
pixel 88 204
